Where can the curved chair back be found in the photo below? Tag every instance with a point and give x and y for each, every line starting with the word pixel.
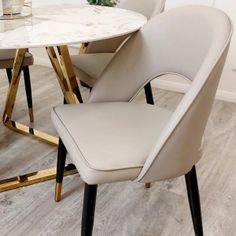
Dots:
pixel 191 42
pixel 147 8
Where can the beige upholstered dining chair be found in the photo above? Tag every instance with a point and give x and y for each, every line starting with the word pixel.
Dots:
pixel 111 139
pixel 6 62
pixel 89 65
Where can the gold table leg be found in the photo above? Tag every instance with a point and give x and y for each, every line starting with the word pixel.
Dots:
pixel 33 178
pixel 62 65
pixel 10 102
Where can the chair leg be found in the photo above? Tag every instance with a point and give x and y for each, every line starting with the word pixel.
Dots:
pixel 150 100
pixel 61 161
pixel 194 201
pixel 9 74
pixel 64 101
pixel 90 195
pixel 28 91
pixel 86 86
pixel 148 185
pixel 148 94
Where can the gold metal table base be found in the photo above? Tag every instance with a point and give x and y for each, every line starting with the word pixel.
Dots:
pixel 62 65
pixel 33 178
pixel 26 130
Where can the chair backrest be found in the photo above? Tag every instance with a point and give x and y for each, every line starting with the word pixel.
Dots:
pixel 148 8
pixel 189 41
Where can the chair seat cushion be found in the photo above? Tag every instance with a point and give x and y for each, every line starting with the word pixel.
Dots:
pixel 7 57
pixel 109 141
pixel 89 67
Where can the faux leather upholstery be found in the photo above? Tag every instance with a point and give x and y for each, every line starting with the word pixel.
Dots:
pixel 7 57
pixel 190 41
pixel 116 137
pixel 89 68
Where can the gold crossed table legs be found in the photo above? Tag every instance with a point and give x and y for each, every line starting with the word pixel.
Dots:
pixel 10 102
pixel 62 65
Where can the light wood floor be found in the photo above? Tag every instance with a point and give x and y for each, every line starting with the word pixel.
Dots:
pixel 123 209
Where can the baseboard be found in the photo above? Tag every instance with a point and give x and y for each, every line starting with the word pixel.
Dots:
pixel 170 85
pixel 226 96
pixel 221 94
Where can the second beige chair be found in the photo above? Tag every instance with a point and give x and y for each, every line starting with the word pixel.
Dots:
pixel 89 65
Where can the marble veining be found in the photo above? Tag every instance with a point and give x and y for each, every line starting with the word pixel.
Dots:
pixel 68 24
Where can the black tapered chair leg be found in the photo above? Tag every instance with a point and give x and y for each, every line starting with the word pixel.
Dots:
pixel 61 161
pixel 9 74
pixel 148 94
pixel 194 201
pixel 149 100
pixel 90 195
pixel 28 92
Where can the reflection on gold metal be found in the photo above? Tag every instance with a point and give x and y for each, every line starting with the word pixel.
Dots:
pixel 63 67
pixel 148 185
pixel 10 102
pixel 23 129
pixel 68 72
pixel 32 178
pixel 58 188
pixel 12 91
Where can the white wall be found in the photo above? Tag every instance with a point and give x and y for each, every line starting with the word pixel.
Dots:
pixel 227 87
pixel 176 3
pixel 228 82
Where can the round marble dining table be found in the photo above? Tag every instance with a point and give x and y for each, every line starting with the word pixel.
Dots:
pixel 55 27
pixel 68 24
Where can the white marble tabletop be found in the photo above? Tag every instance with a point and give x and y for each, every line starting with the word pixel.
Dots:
pixel 68 24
